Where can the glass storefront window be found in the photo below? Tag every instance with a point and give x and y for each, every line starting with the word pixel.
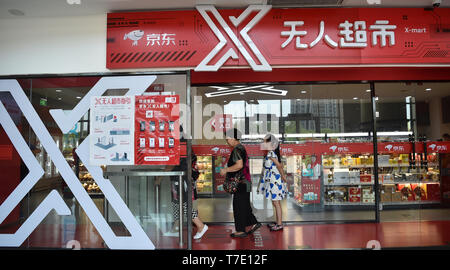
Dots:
pixel 315 124
pixel 148 203
pixel 415 177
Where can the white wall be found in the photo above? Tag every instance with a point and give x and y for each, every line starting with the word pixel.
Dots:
pixel 56 45
pixel 53 45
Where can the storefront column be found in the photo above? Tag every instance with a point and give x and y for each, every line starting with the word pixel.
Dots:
pixel 189 161
pixel 375 152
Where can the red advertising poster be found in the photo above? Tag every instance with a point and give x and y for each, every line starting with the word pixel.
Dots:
pixel 219 163
pixel 277 37
pixel 157 132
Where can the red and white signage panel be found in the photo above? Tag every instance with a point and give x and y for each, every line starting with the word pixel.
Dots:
pixel 263 37
pixel 157 131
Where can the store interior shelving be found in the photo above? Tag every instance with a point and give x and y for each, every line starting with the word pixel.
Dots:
pixel 205 179
pixel 348 180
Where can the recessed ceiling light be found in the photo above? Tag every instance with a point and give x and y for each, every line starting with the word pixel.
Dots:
pixel 298 99
pixel 428 89
pixel 59 98
pixel 58 90
pixel 368 90
pixel 79 97
pixel 16 12
pixel 355 98
pixel 303 92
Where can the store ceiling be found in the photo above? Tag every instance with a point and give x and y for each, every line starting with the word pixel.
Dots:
pixel 347 92
pixel 58 8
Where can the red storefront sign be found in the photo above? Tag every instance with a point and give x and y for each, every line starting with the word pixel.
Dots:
pixel 438 147
pixel 329 148
pixel 277 37
pixel 157 132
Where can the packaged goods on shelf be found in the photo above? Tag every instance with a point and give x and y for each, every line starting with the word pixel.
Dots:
pixel 420 193
pixel 354 177
pixel 365 178
pixel 368 195
pixel 341 176
pixel 383 160
pixel 336 194
pixel 406 191
pixel 385 197
pixel 354 194
pixel 397 196
pixel 389 188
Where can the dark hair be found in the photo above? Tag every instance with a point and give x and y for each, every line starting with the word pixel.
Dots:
pixel 277 150
pixel 233 133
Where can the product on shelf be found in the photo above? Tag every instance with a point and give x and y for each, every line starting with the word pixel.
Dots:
pixel 341 176
pixel 419 192
pixel 336 194
pixel 368 195
pixel 406 191
pixel 385 197
pixel 204 181
pixel 397 196
pixel 354 194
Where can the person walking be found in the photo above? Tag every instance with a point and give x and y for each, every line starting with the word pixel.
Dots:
pixel 201 227
pixel 238 164
pixel 273 179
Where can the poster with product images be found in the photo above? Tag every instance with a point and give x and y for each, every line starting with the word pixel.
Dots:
pixel 157 131
pixel 310 185
pixel 220 162
pixel 111 130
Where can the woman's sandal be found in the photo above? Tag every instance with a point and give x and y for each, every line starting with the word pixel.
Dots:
pixel 271 225
pixel 276 228
pixel 240 235
pixel 254 228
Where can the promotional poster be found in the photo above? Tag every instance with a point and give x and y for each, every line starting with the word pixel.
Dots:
pixel 111 130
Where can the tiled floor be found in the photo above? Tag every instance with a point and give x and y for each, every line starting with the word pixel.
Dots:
pixel 399 228
pixel 328 236
pixel 332 236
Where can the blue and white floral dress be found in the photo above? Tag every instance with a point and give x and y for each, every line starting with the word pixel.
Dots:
pixel 272 186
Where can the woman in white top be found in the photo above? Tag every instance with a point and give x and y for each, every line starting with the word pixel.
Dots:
pixel 273 179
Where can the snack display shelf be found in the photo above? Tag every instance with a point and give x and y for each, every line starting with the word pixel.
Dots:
pixel 380 166
pixel 349 203
pixel 204 182
pixel 410 202
pixel 384 183
pixel 408 182
pixel 350 184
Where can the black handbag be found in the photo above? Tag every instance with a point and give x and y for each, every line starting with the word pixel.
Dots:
pixel 231 183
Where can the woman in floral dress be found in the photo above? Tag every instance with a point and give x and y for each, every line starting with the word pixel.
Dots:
pixel 273 179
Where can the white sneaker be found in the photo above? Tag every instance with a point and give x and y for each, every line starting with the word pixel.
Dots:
pixel 200 234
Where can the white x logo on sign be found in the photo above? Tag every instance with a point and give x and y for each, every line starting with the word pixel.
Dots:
pixel 263 9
